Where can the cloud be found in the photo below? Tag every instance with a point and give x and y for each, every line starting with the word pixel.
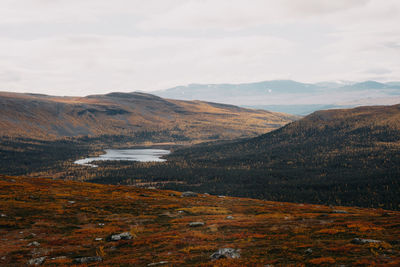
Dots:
pixel 81 47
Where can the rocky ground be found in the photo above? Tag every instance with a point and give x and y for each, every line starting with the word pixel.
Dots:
pixel 56 223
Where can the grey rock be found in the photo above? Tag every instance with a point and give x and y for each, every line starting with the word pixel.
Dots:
pixel 158 263
pixel 308 251
pixel 34 243
pixel 189 194
pixel 98 239
pixel 71 202
pixel 121 236
pixel 196 224
pixel 222 253
pixel 37 261
pixel 59 258
pixel 229 217
pixel 361 241
pixel 340 211
pixel 88 259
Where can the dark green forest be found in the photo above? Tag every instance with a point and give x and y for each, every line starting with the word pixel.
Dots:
pixel 335 157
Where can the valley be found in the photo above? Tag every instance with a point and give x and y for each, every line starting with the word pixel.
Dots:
pixel 62 223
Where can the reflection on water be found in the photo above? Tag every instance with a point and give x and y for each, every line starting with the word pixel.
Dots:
pixel 143 155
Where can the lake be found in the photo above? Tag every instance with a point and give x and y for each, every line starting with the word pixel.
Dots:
pixel 142 155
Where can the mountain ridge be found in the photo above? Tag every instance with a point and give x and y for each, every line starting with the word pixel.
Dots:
pixel 291 96
pixel 42 116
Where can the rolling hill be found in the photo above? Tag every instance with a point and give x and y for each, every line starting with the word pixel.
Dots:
pixel 340 157
pixel 51 117
pixel 63 223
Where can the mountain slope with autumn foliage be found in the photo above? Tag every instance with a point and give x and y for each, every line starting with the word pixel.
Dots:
pixel 124 114
pixel 345 157
pixel 60 223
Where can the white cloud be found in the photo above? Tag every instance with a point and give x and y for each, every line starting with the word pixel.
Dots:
pixel 96 46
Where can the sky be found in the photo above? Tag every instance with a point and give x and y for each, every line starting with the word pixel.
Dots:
pixel 82 47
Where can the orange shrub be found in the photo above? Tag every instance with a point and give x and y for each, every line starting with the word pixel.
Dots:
pixel 322 260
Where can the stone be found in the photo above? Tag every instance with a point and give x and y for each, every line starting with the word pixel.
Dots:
pixel 229 217
pixel 361 241
pixel 340 211
pixel 189 194
pixel 37 261
pixel 88 259
pixel 196 224
pixel 98 239
pixel 308 251
pixel 223 253
pixel 121 236
pixel 34 243
pixel 158 263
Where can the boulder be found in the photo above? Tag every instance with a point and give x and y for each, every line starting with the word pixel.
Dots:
pixel 121 236
pixel 361 241
pixel 189 194
pixel 158 263
pixel 196 224
pixel 88 259
pixel 223 253
pixel 340 211
pixel 37 261
pixel 308 251
pixel 229 217
pixel 34 243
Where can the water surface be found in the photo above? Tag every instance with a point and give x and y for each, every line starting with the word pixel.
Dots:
pixel 142 155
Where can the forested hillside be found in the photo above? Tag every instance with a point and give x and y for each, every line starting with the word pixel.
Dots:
pixel 347 157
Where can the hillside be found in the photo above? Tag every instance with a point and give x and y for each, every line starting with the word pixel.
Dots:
pixel 124 114
pixel 290 96
pixel 58 223
pixel 340 157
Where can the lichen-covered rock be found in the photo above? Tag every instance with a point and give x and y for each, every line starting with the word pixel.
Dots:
pixel 360 241
pixel 340 211
pixel 222 253
pixel 121 236
pixel 189 194
pixel 34 243
pixel 158 263
pixel 196 224
pixel 88 259
pixel 37 261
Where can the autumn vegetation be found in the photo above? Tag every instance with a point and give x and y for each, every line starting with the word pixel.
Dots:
pixel 64 221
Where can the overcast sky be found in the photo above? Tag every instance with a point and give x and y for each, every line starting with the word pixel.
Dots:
pixel 80 47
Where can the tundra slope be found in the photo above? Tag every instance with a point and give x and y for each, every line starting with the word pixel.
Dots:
pixel 61 223
pixel 124 114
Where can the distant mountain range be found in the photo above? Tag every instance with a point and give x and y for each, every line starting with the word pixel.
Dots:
pixel 51 117
pixel 290 96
